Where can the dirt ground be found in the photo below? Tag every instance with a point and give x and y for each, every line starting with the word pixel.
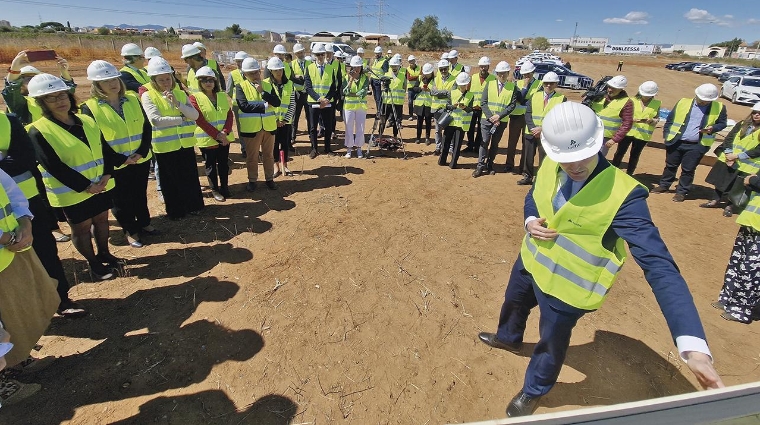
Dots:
pixel 355 293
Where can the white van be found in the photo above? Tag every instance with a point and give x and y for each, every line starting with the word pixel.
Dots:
pixel 337 47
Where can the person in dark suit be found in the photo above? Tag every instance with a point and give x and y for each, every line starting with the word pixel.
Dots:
pixel 578 215
pixel 689 132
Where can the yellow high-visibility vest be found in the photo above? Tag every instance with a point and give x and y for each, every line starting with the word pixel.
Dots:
pixel 25 180
pixel 214 115
pixel 124 135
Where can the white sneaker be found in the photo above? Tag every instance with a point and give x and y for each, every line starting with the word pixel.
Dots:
pixel 359 153
pixel 348 154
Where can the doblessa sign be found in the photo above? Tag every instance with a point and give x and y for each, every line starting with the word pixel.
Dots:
pixel 629 49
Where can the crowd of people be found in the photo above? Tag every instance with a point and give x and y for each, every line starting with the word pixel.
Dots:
pixel 73 160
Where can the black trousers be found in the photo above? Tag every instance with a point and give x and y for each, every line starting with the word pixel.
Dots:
pixel 530 146
pixel 474 138
pixel 489 143
pixel 452 138
pixel 130 199
pixel 327 115
pixel 282 141
pixel 377 93
pixel 622 148
pixel 687 156
pixel 428 125
pixel 45 246
pixel 300 105
pixel 388 115
pixel 179 182
pixel 516 130
pixel 217 166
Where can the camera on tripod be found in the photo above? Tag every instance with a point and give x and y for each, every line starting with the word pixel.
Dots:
pixel 385 83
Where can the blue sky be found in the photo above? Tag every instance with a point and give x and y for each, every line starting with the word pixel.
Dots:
pixel 663 21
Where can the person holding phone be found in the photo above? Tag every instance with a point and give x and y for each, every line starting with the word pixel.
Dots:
pixel 76 165
pixel 355 92
pixel 127 130
pixel 21 71
pixel 173 119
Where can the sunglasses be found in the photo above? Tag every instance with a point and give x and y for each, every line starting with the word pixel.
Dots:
pixel 206 80
pixel 755 112
pixel 56 98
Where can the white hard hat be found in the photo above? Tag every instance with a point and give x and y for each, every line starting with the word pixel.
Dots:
pixel 453 54
pixel 443 63
pixel 707 92
pixel 329 48
pixel 190 50
pixel 551 77
pixel 241 55
pixel 158 66
pixel 29 69
pixel 151 52
pixel 618 82
pixel 484 61
pixel 378 49
pixel 279 50
pixel 571 132
pixel 395 61
pixel 131 49
pixel 428 69
pixel 527 67
pixel 199 45
pixel 356 61
pixel 502 66
pixel 298 47
pixel 389 51
pixel 397 55
pixel 250 64
pixel 411 58
pixel 100 70
pixel 360 51
pixel 205 71
pixel 42 84
pixel 756 106
pixel 463 79
pixel 318 48
pixel 445 55
pixel 275 63
pixel 648 89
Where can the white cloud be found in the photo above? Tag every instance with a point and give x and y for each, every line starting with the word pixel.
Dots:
pixel 559 20
pixel 634 18
pixel 753 21
pixel 701 16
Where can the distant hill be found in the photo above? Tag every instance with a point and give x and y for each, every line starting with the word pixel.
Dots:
pixel 148 27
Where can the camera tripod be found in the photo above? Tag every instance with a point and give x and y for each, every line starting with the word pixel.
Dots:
pixel 375 138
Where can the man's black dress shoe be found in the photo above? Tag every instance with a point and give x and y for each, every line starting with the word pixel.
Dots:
pixel 522 405
pixel 490 340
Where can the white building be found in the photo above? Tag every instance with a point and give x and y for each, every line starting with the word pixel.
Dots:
pixel 697 50
pixel 577 43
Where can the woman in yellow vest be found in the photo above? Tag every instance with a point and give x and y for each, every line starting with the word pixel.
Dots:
pixel 76 165
pixel 28 297
pixel 738 157
pixel 740 295
pixel 646 111
pixel 355 91
pixel 462 100
pixel 423 102
pixel 132 73
pixel 173 140
pixel 284 90
pixel 127 130
pixel 214 131
pixel 235 78
pixel 393 97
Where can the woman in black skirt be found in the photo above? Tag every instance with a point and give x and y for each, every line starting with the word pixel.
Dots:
pixel 423 102
pixel 740 157
pixel 76 169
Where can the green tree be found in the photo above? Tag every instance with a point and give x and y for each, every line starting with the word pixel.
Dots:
pixel 425 35
pixel 541 43
pixel 55 26
pixel 502 45
pixel 234 29
pixel 104 31
pixel 171 31
pixel 731 45
pixel 252 37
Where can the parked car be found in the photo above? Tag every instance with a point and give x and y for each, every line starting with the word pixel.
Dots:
pixel 674 65
pixel 338 47
pixel 687 66
pixel 717 72
pixel 567 78
pixel 699 67
pixel 742 89
pixel 739 72
pixel 707 70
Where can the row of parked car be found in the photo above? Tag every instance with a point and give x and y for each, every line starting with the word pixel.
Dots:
pixel 546 62
pixel 741 84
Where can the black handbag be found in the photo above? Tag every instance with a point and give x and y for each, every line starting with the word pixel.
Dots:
pixel 739 194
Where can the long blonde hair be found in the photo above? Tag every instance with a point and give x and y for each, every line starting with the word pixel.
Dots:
pixel 97 92
pixel 746 123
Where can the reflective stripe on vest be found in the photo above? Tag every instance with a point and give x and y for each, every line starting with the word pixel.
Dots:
pixel 255 122
pixel 214 115
pixel 124 137
pixel 440 84
pixel 352 102
pixel 461 118
pixel 8 223
pixel 237 78
pixel 682 108
pixel 742 145
pixel 641 130
pixel 397 93
pixel 423 97
pixel 476 87
pixel 281 112
pixel 456 69
pixel 577 268
pixel 140 75
pixel 322 84
pixel 610 116
pixel 171 139
pixel 377 65
pixel 498 102
pixel 25 180
pixel 535 87
pixel 750 216
pixel 413 73
pixel 300 70
pixel 192 81
pixel 86 160
pixel 538 110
